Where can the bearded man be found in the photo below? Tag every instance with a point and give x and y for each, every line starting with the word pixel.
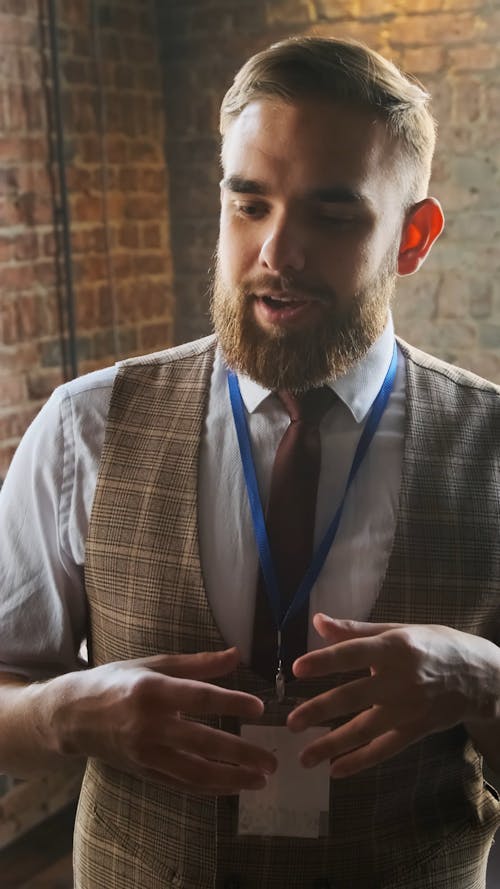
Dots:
pixel 281 541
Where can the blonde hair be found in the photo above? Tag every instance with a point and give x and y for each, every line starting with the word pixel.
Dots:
pixel 344 71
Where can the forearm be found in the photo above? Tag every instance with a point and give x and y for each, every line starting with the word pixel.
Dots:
pixel 29 743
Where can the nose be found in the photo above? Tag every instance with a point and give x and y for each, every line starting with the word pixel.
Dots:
pixel 283 247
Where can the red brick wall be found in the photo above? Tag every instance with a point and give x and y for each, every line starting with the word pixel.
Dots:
pixel 126 271
pixel 114 141
pixel 452 307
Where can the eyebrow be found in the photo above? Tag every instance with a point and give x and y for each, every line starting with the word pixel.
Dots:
pixel 336 194
pixel 240 185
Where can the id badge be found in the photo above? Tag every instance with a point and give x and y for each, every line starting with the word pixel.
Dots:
pixel 295 802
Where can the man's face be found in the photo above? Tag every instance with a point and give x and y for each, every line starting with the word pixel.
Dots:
pixel 311 219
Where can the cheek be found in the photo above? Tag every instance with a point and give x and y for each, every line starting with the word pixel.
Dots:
pixel 235 252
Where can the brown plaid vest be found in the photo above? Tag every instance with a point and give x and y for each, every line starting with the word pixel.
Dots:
pixel 424 820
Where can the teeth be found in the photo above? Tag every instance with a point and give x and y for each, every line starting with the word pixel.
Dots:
pixel 273 300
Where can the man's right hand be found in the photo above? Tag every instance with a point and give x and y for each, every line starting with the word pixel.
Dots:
pixel 132 715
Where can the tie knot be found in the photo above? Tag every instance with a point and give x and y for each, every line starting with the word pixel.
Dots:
pixel 310 406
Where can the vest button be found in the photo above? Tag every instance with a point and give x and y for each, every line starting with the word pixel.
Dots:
pixel 232 882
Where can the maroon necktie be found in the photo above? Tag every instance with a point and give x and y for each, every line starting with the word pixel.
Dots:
pixel 290 527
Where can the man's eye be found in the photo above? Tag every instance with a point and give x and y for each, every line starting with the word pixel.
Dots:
pixel 249 209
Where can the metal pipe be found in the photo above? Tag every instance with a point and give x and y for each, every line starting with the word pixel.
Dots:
pixel 63 211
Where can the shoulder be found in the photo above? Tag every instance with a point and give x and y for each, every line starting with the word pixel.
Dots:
pixel 427 370
pixel 196 351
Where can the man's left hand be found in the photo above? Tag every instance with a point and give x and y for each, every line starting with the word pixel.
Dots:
pixel 422 679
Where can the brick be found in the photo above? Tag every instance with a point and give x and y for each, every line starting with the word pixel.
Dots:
pixel 454 296
pixel 35 209
pixel 145 208
pixel 150 264
pixel 27 313
pixel 117 149
pixel 14 7
pixel 34 178
pixel 127 302
pixel 87 308
pixel 7 247
pixel 51 353
pixel 26 246
pixel 128 178
pixel 90 267
pixel 128 235
pixel 46 272
pixel 81 43
pixel 485 363
pixel 12 389
pixel 302 12
pixel 7 452
pixel 41 383
pixel 107 307
pixel 152 180
pixel 122 264
pixel 429 29
pixel 489 335
pixel 155 336
pixel 423 61
pixel 23 149
pixel 479 56
pixel 13 424
pixel 87 209
pixel 124 77
pixel 142 150
pixel 152 235
pixel 17 31
pixel 74 70
pixel 137 50
pixel 17 277
pixel 154 300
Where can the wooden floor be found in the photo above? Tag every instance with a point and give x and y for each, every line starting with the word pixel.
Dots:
pixel 42 858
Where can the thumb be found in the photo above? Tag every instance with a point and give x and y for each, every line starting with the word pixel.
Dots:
pixel 203 665
pixel 338 630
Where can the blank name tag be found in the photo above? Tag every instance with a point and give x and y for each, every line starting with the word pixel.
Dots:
pixel 295 802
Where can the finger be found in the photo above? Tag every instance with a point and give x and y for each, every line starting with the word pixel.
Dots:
pixel 200 698
pixel 200 772
pixel 354 654
pixel 218 745
pixel 202 665
pixel 376 752
pixel 349 698
pixel 336 630
pixel 358 732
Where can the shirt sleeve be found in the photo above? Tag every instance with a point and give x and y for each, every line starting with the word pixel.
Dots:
pixel 45 506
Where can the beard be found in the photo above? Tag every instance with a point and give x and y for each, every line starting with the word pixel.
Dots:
pixel 310 356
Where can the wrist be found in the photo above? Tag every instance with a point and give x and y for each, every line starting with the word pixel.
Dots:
pixel 52 720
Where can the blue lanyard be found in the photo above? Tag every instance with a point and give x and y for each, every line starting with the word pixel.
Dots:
pixel 259 524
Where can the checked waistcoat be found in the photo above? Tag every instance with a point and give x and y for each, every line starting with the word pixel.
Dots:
pixel 423 820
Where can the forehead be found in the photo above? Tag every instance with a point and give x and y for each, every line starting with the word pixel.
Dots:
pixel 311 143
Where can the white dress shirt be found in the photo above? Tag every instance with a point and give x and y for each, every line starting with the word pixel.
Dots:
pixel 47 496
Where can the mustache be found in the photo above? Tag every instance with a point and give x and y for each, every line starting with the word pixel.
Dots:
pixel 269 285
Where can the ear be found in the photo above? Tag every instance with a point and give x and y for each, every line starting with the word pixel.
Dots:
pixel 423 224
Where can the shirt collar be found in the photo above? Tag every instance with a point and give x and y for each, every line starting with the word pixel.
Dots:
pixel 358 388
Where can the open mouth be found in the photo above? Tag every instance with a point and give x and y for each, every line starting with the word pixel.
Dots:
pixel 282 303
